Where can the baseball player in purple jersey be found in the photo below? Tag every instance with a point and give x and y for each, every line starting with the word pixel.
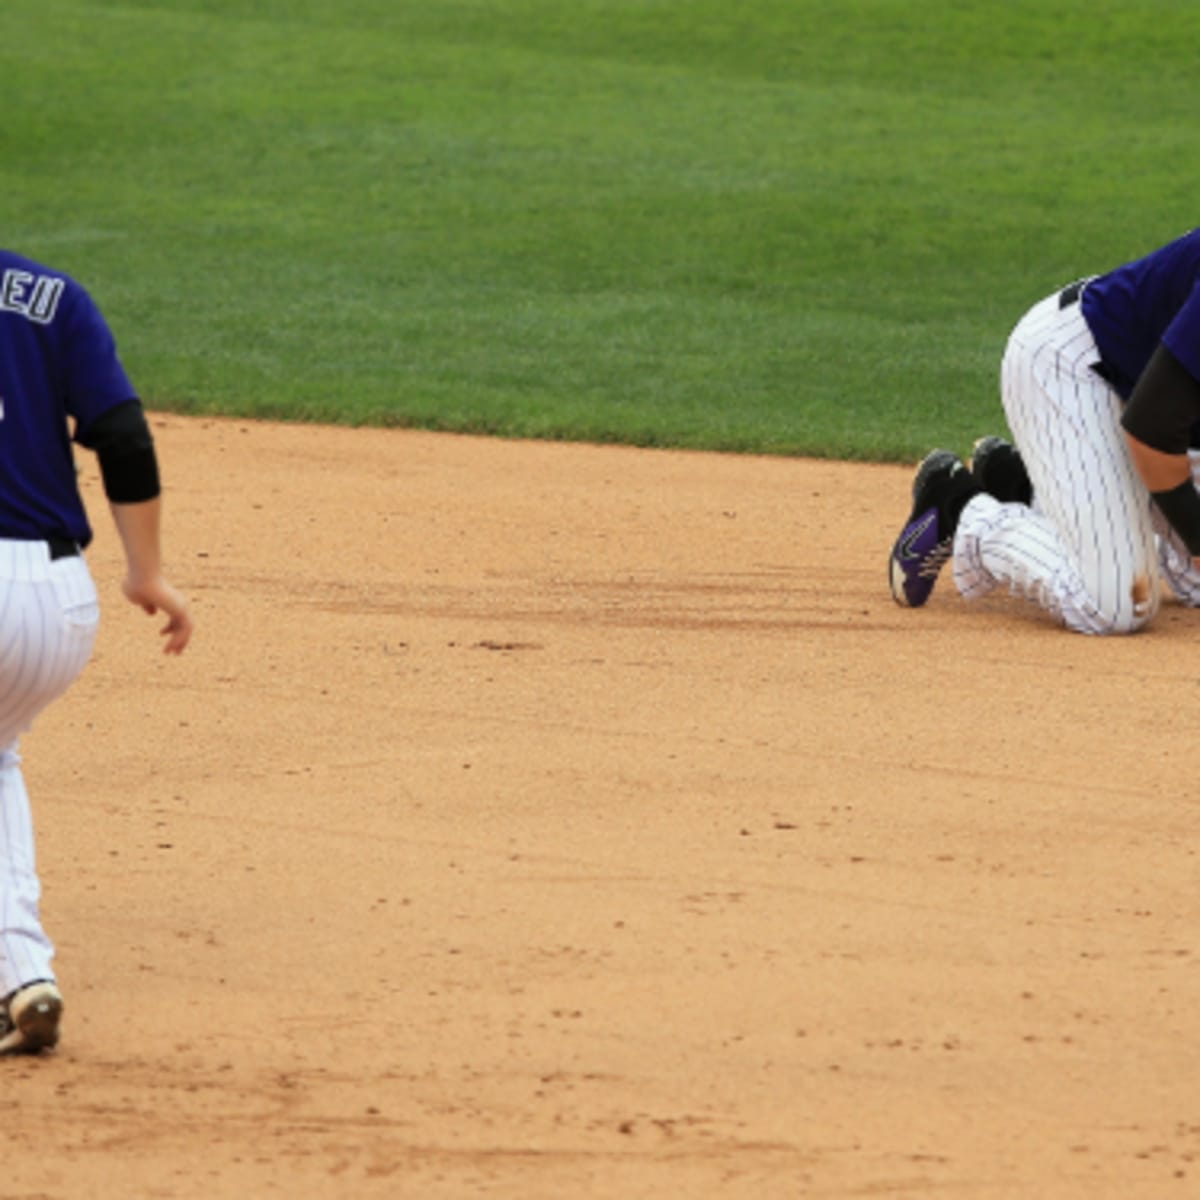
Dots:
pixel 60 378
pixel 1097 503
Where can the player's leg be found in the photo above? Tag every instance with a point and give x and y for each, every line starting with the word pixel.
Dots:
pixel 1086 550
pixel 48 622
pixel 25 950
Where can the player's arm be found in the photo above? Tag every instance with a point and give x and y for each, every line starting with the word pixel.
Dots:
pixel 1157 422
pixel 124 447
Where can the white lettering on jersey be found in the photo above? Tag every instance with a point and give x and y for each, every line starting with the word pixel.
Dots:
pixel 33 296
pixel 44 301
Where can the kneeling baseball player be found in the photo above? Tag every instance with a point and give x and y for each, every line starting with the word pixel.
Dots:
pixel 1097 503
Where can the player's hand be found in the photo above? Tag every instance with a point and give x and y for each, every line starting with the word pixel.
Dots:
pixel 153 595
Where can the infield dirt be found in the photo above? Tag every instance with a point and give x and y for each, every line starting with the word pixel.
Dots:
pixel 547 821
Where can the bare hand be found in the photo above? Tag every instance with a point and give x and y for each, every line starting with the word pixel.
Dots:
pixel 154 594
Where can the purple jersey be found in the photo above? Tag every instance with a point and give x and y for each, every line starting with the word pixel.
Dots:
pixel 1154 299
pixel 59 371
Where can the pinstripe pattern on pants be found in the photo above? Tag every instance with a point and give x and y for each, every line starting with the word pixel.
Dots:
pixel 1086 550
pixel 48 621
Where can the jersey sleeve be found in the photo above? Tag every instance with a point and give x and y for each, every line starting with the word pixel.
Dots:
pixel 94 378
pixel 1182 336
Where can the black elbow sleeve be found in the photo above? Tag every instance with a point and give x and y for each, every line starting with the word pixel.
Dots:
pixel 1164 405
pixel 124 446
pixel 1181 507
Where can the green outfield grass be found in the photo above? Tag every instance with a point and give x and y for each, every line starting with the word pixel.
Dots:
pixel 793 226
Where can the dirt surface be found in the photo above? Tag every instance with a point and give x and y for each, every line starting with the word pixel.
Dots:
pixel 543 821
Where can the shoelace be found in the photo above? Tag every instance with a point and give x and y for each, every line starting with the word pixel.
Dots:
pixel 935 560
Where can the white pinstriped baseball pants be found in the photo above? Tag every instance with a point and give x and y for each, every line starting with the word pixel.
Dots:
pixel 48 621
pixel 1092 549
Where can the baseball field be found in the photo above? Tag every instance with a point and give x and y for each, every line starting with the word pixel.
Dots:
pixel 553 804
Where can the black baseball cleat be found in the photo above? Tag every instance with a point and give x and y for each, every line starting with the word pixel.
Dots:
pixel 941 490
pixel 1000 470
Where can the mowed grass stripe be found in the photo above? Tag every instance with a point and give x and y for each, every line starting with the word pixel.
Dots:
pixel 792 227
